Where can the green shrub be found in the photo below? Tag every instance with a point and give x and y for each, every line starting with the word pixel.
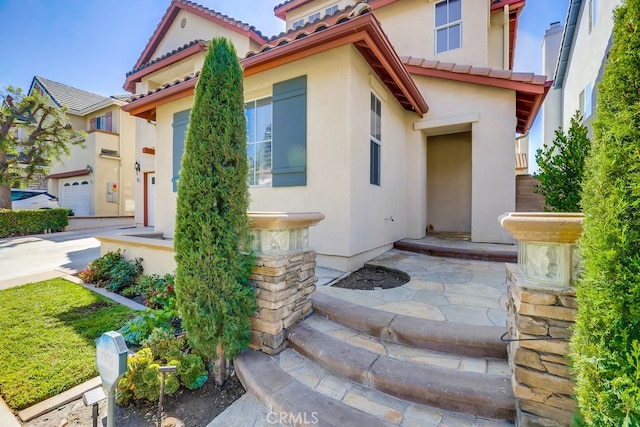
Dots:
pixel 164 344
pixel 562 167
pixel 159 292
pixel 143 378
pixel 192 371
pixel 21 222
pixel 605 348
pixel 141 326
pixel 214 299
pixel 113 271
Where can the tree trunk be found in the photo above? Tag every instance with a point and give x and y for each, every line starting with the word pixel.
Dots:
pixel 5 197
pixel 220 367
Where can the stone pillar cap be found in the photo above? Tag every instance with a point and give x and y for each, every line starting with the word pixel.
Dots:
pixel 283 220
pixel 555 227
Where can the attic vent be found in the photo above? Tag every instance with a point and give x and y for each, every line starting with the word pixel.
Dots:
pixel 183 23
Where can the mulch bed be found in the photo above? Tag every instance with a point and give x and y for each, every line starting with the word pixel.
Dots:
pixel 371 278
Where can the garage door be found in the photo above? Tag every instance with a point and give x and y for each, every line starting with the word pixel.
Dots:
pixel 76 195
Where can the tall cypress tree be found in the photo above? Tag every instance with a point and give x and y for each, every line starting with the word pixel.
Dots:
pixel 606 354
pixel 214 298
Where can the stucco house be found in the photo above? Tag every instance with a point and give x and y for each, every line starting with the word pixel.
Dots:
pixel 390 117
pixel 575 54
pixel 96 179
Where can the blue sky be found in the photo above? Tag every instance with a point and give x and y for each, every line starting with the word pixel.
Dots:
pixel 91 44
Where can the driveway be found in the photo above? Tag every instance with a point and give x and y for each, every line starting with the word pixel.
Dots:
pixel 43 256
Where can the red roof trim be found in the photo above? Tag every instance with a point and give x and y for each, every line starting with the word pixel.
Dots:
pixel 172 12
pixel 145 106
pixel 366 34
pixel 138 75
pixel 530 89
pixel 69 174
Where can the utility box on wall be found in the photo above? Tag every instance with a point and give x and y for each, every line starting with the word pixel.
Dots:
pixel 112 192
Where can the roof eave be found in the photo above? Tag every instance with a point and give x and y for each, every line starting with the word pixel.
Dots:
pixel 567 42
pixel 131 79
pixel 366 34
pixel 145 107
pixel 282 10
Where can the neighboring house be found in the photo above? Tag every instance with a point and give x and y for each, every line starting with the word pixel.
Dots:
pixel 388 116
pixel 577 58
pixel 97 179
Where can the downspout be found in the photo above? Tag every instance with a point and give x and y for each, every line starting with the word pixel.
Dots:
pixel 505 36
pixel 120 191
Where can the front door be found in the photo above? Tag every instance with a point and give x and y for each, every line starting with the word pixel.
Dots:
pixel 150 199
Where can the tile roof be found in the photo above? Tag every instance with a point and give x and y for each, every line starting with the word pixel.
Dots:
pixel 68 96
pixel 167 55
pixel 530 88
pixel 165 86
pixel 210 14
pixel 124 97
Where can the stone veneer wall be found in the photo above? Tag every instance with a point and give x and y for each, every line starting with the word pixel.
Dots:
pixel 541 379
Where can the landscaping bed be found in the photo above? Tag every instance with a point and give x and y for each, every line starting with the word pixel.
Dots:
pixel 371 278
pixel 47 344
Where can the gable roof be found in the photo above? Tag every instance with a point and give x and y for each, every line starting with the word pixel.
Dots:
pixel 530 89
pixel 209 14
pixel 63 95
pixel 359 28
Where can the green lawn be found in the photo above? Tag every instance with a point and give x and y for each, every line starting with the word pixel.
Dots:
pixel 47 338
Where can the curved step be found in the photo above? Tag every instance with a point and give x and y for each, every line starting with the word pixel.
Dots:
pixel 292 401
pixel 460 253
pixel 458 338
pixel 473 393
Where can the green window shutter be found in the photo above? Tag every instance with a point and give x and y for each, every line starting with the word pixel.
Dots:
pixel 289 167
pixel 180 123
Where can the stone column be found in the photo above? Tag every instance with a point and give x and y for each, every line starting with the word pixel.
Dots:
pixel 284 276
pixel 542 308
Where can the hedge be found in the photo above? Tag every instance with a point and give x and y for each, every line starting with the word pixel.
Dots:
pixel 21 222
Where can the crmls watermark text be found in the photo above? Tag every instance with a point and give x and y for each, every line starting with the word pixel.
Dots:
pixel 304 418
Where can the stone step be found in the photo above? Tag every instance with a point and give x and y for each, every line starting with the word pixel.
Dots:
pixel 342 402
pixel 460 253
pixel 293 402
pixel 443 336
pixel 475 393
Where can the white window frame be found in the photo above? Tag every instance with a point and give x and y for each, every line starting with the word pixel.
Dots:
pixel 447 26
pixel 593 14
pixel 256 177
pixel 331 10
pixel 313 17
pixel 375 176
pixel 297 24
pixel 588 97
pixel 101 122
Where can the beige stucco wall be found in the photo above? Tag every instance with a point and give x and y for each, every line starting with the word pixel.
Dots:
pixel 552 106
pixel 490 115
pixel 449 182
pixel 496 41
pixel 410 24
pixel 145 136
pixel 199 28
pixel 587 55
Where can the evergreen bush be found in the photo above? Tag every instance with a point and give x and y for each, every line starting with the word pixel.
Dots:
pixel 562 167
pixel 214 298
pixel 605 348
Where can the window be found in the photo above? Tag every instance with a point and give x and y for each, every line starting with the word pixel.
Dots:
pixel 297 24
pixel 331 10
pixel 375 140
pixel 314 17
pixel 103 122
pixel 448 31
pixel 593 16
pixel 588 106
pixel 259 125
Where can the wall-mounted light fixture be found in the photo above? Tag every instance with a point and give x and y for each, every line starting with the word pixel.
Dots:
pixel 89 169
pixel 136 166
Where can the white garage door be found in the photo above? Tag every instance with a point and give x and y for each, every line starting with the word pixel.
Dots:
pixel 76 195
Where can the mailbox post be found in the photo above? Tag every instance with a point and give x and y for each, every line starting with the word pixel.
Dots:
pixel 111 357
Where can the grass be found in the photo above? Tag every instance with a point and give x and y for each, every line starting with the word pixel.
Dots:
pixel 47 339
